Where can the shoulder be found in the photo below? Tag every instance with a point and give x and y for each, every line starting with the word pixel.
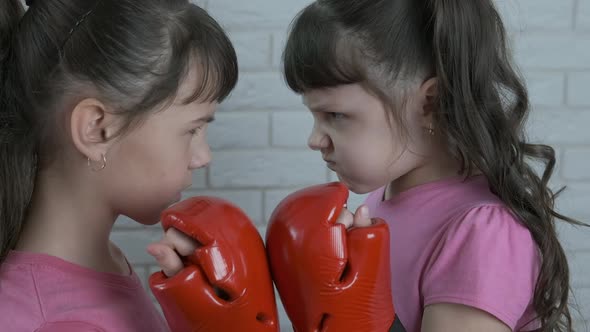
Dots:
pixel 489 234
pixel 481 219
pixel 484 257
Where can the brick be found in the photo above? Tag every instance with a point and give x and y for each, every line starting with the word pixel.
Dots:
pixel 583 15
pixel 124 222
pixel 262 231
pixel 581 325
pixel 522 15
pixel 239 130
pixel 556 126
pixel 262 91
pixel 272 198
pixel 256 13
pixel 284 321
pixel 546 89
pixel 355 200
pixel 134 244
pixel 574 238
pixel 199 178
pixel 253 49
pixel 577 164
pixel 279 41
pixel 200 3
pixel 153 269
pixel 142 273
pixel 582 303
pixel 555 182
pixel 291 129
pixel 573 201
pixel 579 268
pixel 552 50
pixel 250 201
pixel 578 85
pixel 512 14
pixel 261 169
pixel 332 176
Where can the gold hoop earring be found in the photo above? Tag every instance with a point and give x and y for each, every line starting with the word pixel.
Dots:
pixel 104 164
pixel 431 129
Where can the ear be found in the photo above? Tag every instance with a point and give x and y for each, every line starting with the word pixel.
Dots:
pixel 428 93
pixel 92 128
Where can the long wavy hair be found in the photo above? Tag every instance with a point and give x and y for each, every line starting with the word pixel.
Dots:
pixel 482 105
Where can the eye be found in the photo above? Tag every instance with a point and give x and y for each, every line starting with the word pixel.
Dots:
pixel 336 115
pixel 195 131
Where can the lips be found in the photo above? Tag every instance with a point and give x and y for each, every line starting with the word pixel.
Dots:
pixel 330 164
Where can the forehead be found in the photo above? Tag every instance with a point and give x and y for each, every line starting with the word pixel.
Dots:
pixel 342 97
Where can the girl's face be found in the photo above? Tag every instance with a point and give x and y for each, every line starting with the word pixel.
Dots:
pixel 359 141
pixel 150 166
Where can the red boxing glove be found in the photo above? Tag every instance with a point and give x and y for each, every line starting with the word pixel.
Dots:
pixel 225 285
pixel 328 278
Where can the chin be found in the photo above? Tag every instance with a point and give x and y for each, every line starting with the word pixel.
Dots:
pixel 149 217
pixel 358 187
pixel 151 222
pixel 359 190
pixel 148 220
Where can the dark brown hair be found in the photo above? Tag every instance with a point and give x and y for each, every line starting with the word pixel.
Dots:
pixel 482 105
pixel 133 55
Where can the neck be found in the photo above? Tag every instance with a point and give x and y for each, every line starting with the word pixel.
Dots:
pixel 438 166
pixel 68 220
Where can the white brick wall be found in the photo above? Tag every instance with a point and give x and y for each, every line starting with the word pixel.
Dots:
pixel 259 139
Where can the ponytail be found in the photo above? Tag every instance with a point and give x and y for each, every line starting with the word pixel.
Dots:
pixel 483 105
pixel 57 51
pixel 18 157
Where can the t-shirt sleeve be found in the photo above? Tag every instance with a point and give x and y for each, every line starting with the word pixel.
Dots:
pixel 69 327
pixel 486 260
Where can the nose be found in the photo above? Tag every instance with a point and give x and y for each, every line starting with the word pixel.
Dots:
pixel 201 156
pixel 318 139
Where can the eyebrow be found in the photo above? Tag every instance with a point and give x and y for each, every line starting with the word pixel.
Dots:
pixel 322 108
pixel 207 119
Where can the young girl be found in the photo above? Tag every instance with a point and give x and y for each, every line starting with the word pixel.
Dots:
pixel 417 102
pixel 104 106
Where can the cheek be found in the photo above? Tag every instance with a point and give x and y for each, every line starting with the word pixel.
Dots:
pixel 169 165
pixel 146 180
pixel 371 156
pixel 152 165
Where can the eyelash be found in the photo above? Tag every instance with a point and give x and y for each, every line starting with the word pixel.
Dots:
pixel 195 131
pixel 336 115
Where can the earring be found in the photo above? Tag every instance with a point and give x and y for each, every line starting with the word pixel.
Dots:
pixel 104 164
pixel 431 129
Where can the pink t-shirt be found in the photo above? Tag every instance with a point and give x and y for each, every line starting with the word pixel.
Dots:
pixel 44 293
pixel 453 241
